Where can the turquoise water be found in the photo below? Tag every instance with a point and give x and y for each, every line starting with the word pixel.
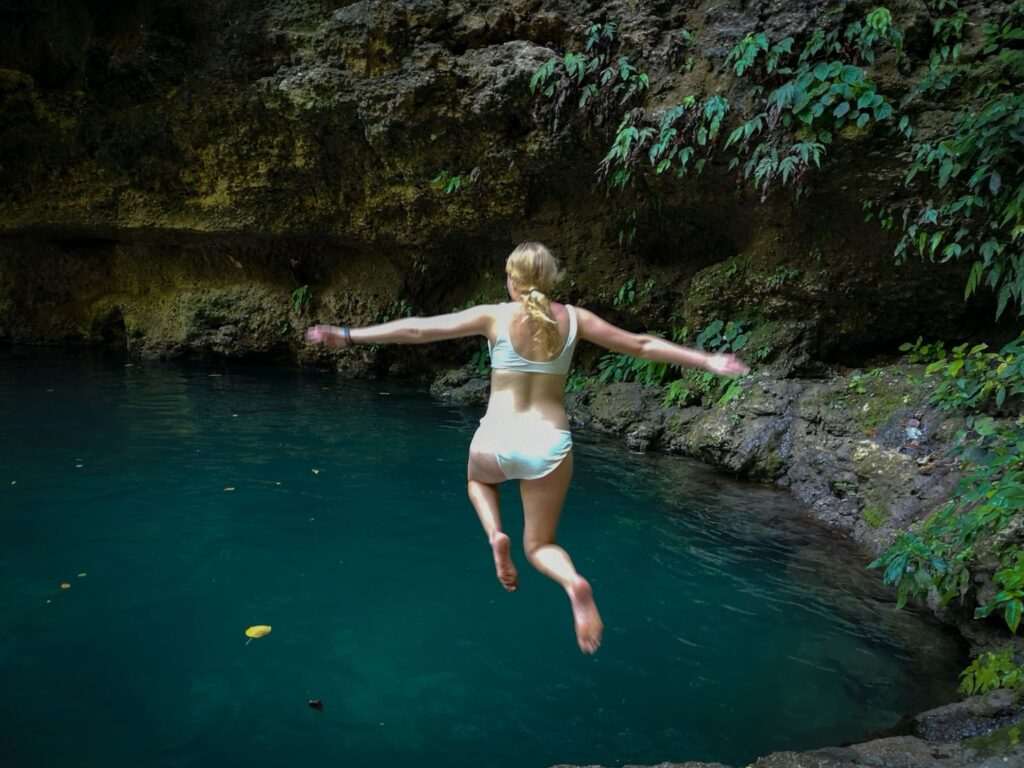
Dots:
pixel 733 627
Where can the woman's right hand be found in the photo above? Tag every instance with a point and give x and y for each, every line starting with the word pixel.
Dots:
pixel 322 334
pixel 726 365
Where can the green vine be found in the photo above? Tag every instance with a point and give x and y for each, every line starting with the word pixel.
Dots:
pixel 803 100
pixel 970 176
pixel 965 181
pixel 979 523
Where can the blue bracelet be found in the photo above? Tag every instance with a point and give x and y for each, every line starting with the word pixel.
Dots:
pixel 348 336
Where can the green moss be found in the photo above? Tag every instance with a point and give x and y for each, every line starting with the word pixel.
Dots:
pixel 876 397
pixel 996 743
pixel 874 516
pixel 767 339
pixel 770 467
pixel 876 509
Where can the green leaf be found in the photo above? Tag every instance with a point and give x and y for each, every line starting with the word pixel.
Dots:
pixel 851 74
pixel 841 109
pixel 983 610
pixel 1012 614
pixel 973 278
pixel 945 171
pixel 1004 296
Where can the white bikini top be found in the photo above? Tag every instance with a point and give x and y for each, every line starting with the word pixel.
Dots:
pixel 505 358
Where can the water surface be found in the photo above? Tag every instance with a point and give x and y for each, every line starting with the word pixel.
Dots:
pixel 183 504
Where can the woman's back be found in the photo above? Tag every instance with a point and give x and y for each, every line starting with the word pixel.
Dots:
pixel 526 376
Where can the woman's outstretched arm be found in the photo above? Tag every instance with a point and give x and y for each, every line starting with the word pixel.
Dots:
pixel 648 347
pixel 475 321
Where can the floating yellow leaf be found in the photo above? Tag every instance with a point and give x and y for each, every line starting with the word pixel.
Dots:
pixel 258 630
pixel 65 585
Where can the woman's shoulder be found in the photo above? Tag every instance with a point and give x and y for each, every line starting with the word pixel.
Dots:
pixel 488 309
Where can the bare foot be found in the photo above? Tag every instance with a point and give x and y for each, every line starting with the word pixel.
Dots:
pixel 507 574
pixel 589 626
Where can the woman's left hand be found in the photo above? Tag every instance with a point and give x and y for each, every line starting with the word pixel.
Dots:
pixel 727 365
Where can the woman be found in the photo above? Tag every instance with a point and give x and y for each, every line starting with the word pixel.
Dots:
pixel 525 435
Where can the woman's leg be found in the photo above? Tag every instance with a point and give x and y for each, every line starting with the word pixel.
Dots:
pixel 542 506
pixel 484 474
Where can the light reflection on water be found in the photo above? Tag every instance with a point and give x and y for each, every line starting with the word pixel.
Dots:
pixel 734 627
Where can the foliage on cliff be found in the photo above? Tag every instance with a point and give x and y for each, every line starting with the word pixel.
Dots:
pixel 978 530
pixel 963 192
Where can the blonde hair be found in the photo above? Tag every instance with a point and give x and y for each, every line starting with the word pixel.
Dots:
pixel 534 272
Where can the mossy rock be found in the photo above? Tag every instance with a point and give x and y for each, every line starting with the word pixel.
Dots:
pixel 874 516
pixel 996 743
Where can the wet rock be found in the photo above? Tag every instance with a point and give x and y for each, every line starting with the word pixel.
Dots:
pixel 643 436
pixel 849 465
pixel 972 717
pixel 618 407
pixel 464 386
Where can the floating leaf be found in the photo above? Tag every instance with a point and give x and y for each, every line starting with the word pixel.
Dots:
pixel 258 630
pixel 316 471
pixel 316 704
pixel 82 575
pixel 65 585
pixel 229 488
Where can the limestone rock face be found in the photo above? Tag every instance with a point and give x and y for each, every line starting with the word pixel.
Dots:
pixel 321 125
pixel 840 446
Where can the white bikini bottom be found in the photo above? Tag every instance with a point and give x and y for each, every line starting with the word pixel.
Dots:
pixel 525 446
